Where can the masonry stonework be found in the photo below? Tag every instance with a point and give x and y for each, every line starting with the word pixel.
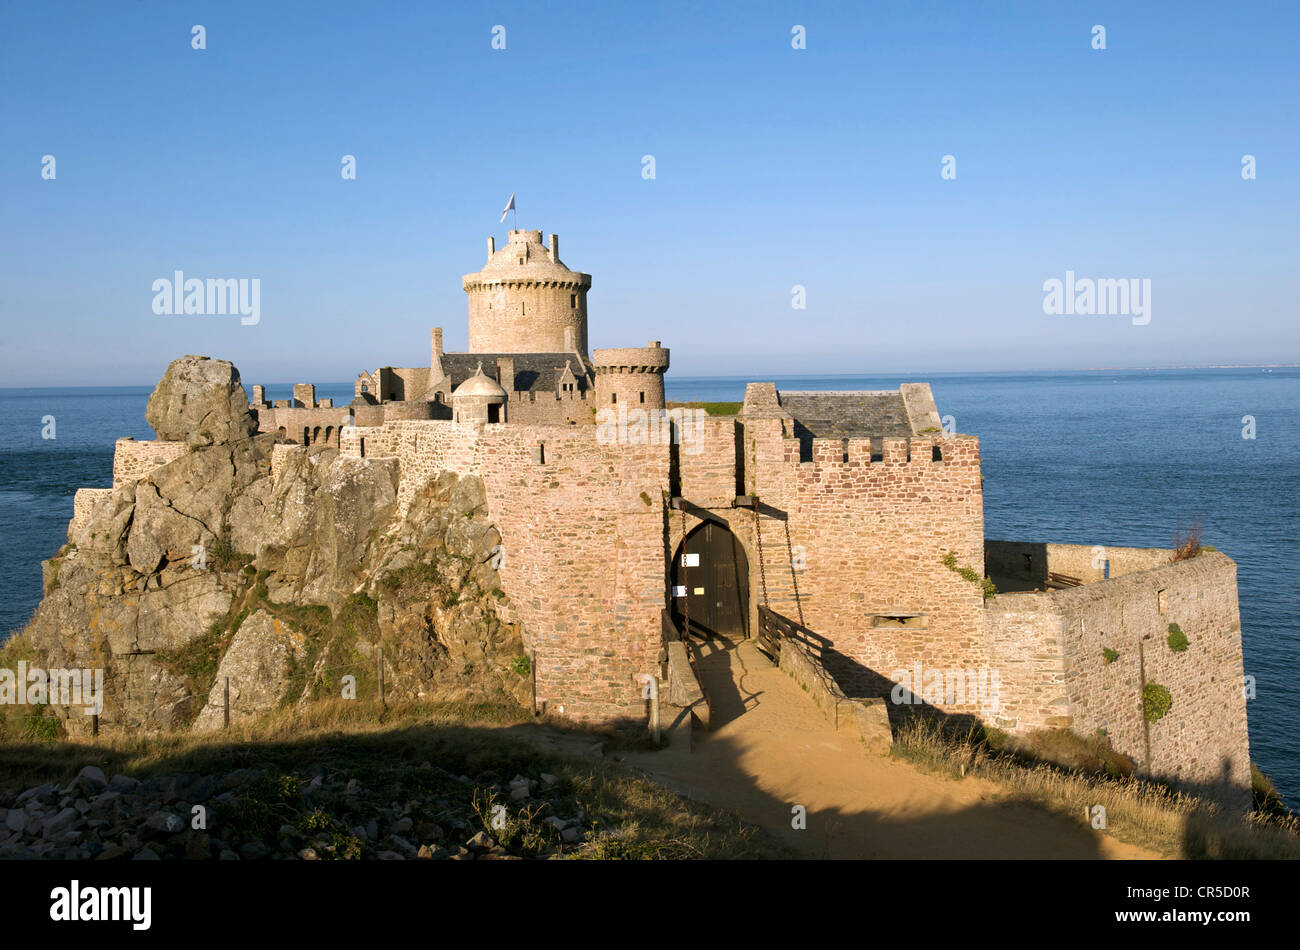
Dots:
pixel 858 516
pixel 134 460
pixel 1055 642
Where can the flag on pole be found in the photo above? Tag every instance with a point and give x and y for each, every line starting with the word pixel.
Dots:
pixel 510 206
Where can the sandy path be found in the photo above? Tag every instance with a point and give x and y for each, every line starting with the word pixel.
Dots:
pixel 771 748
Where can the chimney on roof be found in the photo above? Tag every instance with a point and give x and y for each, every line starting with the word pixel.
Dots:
pixel 435 356
pixel 555 249
pixel 492 246
pixel 506 373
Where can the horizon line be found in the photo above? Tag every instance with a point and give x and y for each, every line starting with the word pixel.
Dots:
pixel 762 377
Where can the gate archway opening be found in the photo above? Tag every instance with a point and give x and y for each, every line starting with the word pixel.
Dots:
pixel 710 584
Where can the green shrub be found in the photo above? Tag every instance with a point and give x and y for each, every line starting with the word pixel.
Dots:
pixel 521 665
pixel 1177 639
pixel 1108 655
pixel 222 556
pixel 1156 702
pixel 949 561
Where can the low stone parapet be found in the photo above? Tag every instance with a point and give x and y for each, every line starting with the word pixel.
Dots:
pixel 134 460
pixel 83 507
pixel 279 453
pixel 683 688
pixel 867 717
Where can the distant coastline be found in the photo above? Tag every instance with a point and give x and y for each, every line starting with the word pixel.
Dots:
pixel 753 376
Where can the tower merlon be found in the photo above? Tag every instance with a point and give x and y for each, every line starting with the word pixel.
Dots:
pixel 631 359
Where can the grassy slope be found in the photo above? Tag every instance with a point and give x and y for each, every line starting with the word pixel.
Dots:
pixel 400 753
pixel 1064 780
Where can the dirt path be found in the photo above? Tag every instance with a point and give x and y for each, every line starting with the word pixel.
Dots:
pixel 771 748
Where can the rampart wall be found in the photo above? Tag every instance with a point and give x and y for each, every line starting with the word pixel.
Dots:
pixel 1027 564
pixel 865 548
pixel 1049 647
pixel 318 426
pixel 134 460
pixel 582 535
pixel 548 408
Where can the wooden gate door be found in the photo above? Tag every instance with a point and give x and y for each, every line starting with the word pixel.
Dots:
pixel 711 572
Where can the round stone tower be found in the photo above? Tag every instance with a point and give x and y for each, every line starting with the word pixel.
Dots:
pixel 631 376
pixel 525 300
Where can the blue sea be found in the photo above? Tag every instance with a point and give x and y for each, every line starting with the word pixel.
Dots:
pixel 1097 457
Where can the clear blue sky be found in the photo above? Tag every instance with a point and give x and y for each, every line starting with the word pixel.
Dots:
pixel 775 167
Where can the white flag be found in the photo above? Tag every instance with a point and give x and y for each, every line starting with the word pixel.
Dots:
pixel 509 207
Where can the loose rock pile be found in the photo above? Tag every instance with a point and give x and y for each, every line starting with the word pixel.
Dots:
pixel 318 814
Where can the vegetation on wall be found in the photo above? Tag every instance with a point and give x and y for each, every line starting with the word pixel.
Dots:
pixel 1177 639
pixel 968 573
pixel 1108 655
pixel 1156 702
pixel 1187 542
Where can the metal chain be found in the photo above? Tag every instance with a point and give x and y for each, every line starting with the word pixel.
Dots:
pixel 762 569
pixel 794 579
pixel 686 590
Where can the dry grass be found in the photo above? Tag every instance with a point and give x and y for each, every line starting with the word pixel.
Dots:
pixel 1143 813
pixel 31 723
pixel 634 817
pixel 1187 542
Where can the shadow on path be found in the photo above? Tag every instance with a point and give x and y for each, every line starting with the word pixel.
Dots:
pixel 771 749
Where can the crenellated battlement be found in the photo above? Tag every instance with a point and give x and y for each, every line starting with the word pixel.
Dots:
pixel 812 456
pixel 652 358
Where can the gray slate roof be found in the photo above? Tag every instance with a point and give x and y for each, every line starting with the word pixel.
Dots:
pixel 534 372
pixel 863 414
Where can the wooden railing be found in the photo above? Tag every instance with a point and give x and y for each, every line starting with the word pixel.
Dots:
pixel 772 628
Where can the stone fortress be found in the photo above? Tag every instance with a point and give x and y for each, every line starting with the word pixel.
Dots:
pixel 851 519
pixel 527 363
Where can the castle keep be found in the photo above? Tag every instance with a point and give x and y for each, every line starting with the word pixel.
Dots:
pixel 850 518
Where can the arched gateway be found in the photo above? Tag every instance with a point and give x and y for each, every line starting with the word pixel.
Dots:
pixel 710 583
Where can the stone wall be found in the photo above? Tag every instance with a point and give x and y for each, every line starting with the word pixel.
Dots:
pixel 83 506
pixel 707 461
pixel 317 426
pixel 865 540
pixel 279 453
pixel 581 528
pixel 582 538
pixel 549 408
pixel 423 447
pixel 1049 649
pixel 527 317
pixel 134 460
pixel 1203 740
pixel 398 383
pixel 632 376
pixel 1025 637
pixel 1021 565
pixel 864 717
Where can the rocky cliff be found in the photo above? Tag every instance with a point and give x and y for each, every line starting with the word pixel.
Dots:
pixel 209 568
